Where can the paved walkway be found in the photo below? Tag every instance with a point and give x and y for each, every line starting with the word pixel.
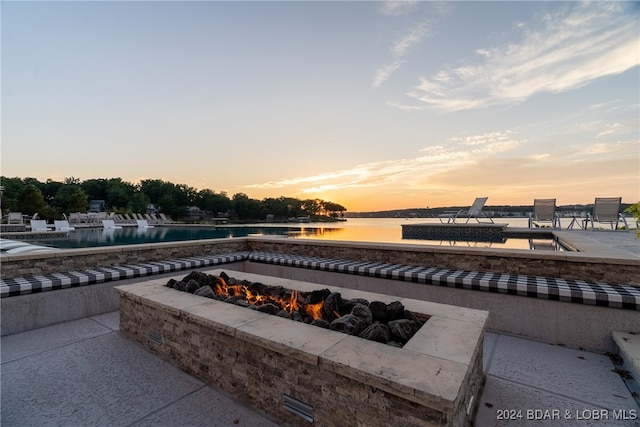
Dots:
pixel 615 244
pixel 84 373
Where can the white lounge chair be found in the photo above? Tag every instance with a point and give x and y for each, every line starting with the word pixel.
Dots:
pixel 544 211
pixel 14 247
pixel 164 218
pixel 15 218
pixel 62 225
pixel 109 224
pixel 475 211
pixel 39 225
pixel 143 223
pixel 74 218
pixel 606 210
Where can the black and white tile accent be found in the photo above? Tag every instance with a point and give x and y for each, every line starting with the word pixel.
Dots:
pixel 49 282
pixel 574 291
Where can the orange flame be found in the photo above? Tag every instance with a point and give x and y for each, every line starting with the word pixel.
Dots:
pixel 291 304
pixel 314 310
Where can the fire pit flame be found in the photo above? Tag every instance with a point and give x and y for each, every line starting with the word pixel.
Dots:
pixel 289 304
pixel 315 310
pixel 377 321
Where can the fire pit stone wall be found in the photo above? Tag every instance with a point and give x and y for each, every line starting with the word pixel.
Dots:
pixel 300 374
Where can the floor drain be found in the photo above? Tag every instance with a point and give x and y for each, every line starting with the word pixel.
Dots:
pixel 299 408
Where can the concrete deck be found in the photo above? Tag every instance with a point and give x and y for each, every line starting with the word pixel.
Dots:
pixel 85 373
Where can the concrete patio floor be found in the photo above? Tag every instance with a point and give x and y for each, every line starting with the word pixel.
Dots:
pixel 84 373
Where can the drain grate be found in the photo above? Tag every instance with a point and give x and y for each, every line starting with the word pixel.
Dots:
pixel 155 337
pixel 301 409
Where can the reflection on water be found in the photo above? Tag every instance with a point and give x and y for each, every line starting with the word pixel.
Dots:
pixel 91 237
pixel 383 230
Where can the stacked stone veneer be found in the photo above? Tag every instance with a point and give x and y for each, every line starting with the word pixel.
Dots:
pixel 566 265
pixel 458 232
pixel 574 265
pixel 21 265
pixel 344 379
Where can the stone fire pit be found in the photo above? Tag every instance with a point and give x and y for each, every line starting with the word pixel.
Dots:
pixel 301 374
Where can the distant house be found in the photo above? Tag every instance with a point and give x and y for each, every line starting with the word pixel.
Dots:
pixel 97 206
pixel 194 212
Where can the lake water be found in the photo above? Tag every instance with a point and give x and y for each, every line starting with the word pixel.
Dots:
pixel 386 230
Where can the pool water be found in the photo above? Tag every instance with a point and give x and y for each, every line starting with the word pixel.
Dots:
pixel 386 230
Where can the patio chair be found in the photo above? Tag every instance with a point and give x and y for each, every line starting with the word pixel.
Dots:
pixel 39 225
pixel 475 211
pixel 109 224
pixel 606 210
pixel 62 225
pixel 164 218
pixel 544 211
pixel 143 223
pixel 15 218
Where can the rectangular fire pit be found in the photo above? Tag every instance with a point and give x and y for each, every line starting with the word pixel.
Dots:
pixel 302 374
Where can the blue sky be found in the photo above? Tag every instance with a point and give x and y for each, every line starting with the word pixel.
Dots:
pixel 374 105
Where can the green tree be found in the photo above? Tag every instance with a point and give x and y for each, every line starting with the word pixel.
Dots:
pixel 138 202
pixel 72 181
pixel 169 206
pixel 49 190
pixel 311 206
pixel 213 202
pixel 11 188
pixel 71 198
pixel 185 195
pixel 96 189
pixel 246 208
pixel 334 208
pixel 78 201
pixel 635 211
pixel 119 193
pixel 154 189
pixel 30 200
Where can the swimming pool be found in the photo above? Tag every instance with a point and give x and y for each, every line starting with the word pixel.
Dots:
pixel 387 230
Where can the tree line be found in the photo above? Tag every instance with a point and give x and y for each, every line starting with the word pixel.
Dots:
pixel 51 199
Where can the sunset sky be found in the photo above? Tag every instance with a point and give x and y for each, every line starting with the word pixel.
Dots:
pixel 373 105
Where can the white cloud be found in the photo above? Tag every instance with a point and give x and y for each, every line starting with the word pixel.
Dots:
pixel 599 149
pixel 404 106
pixel 613 129
pixel 385 72
pixel 432 159
pixel 404 45
pixel 396 8
pixel 483 139
pixel 568 50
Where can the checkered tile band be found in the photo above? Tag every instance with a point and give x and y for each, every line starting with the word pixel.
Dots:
pixel 574 291
pixel 49 282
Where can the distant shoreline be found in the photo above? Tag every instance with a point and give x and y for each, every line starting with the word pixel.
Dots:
pixel 519 211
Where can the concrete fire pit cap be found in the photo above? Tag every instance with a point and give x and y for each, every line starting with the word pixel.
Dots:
pixel 431 367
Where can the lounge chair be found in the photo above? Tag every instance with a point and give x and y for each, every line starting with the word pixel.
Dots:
pixel 544 211
pixel 143 223
pixel 62 225
pixel 164 218
pixel 39 225
pixel 15 218
pixel 606 210
pixel 74 218
pixel 475 211
pixel 108 224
